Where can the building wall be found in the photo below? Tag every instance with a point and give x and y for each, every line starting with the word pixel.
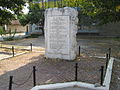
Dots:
pixel 18 27
pixel 34 29
pixel 111 29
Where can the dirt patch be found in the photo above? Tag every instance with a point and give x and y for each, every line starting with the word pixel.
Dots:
pixel 6 52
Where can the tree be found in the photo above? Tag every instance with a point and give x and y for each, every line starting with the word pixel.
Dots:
pixel 35 16
pixel 92 11
pixel 105 11
pixel 9 9
pixel 36 11
pixel 7 35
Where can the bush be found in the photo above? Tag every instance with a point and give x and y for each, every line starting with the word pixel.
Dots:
pixel 7 35
pixel 33 36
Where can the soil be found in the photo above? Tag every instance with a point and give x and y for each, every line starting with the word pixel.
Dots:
pixel 8 52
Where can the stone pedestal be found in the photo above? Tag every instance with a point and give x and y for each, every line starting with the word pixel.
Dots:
pixel 60 33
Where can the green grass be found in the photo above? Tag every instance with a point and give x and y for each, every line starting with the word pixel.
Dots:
pixel 116 38
pixel 8 38
pixel 33 36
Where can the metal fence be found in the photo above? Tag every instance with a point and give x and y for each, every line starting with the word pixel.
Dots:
pixel 56 71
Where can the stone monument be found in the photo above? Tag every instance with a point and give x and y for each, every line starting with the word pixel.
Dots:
pixel 60 33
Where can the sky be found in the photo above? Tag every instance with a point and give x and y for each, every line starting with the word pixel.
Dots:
pixel 26 10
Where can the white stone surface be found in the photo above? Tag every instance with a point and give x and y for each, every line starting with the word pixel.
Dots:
pixel 108 74
pixel 68 86
pixel 80 85
pixel 60 33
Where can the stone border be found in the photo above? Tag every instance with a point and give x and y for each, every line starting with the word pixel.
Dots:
pixel 108 74
pixel 106 83
pixel 21 54
pixel 27 49
pixel 14 56
pixel 67 85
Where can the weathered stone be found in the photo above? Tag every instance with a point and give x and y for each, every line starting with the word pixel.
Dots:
pixel 60 33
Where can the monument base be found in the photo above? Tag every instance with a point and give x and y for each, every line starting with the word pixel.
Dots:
pixel 59 56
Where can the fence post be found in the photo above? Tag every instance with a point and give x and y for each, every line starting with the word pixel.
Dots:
pixel 79 50
pixel 76 69
pixel 10 82
pixel 109 51
pixel 107 60
pixel 13 51
pixel 30 46
pixel 102 75
pixel 34 76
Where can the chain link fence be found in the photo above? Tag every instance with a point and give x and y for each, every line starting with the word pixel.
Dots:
pixel 61 71
pixel 90 70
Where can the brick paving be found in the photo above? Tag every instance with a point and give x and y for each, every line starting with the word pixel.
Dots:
pixel 48 71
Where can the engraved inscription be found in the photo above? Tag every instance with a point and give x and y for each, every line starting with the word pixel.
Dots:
pixel 58 34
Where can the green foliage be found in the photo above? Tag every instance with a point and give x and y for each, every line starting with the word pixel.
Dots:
pixel 8 38
pixel 36 11
pixel 2 31
pixel 23 19
pixel 103 10
pixel 92 11
pixel 9 9
pixel 33 36
pixel 35 15
pixel 116 38
pixel 60 3
pixel 100 11
pixel 7 35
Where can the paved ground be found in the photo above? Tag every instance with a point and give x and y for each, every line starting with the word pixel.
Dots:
pixel 94 47
pixel 37 42
pixel 48 71
pixel 91 46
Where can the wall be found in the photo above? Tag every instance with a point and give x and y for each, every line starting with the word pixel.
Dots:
pixel 111 29
pixel 18 27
